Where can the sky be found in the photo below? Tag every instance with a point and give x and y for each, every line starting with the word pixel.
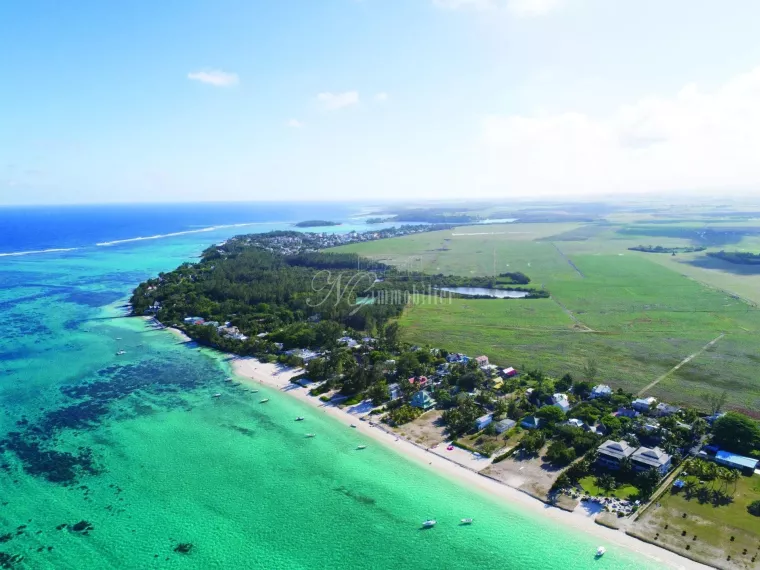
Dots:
pixel 356 100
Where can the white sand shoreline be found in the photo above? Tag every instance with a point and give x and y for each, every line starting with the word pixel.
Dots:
pixel 276 376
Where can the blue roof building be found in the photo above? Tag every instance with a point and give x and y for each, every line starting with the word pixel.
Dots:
pixel 746 465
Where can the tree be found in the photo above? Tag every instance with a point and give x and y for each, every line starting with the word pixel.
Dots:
pixel 379 393
pixel 560 453
pixel 404 414
pixel 563 482
pixel 500 408
pixel 564 384
pixel 391 335
pixel 551 414
pixel 606 482
pixel 754 508
pixel 582 389
pixel 715 401
pixel 736 432
pixel 647 482
pixel 626 466
pixel 533 441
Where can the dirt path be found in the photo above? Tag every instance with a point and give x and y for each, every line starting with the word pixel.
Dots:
pixel 570 314
pixel 684 361
pixel 569 261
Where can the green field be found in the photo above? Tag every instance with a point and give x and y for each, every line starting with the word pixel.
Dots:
pixel 637 314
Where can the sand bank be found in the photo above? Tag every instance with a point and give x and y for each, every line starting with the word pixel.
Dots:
pixel 277 376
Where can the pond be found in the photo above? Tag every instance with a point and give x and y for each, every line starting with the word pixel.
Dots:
pixel 495 293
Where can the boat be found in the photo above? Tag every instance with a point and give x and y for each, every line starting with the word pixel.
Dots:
pixel 353 425
pixel 217 395
pixel 430 523
pixel 255 391
pixel 600 551
pixel 121 352
pixel 264 401
pixel 361 447
pixel 310 434
pixel 299 419
pixel 465 521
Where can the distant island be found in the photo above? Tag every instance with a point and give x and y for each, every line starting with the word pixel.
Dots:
pixel 316 224
pixel 661 249
pixel 738 257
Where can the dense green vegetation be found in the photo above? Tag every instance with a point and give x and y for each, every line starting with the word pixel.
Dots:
pixel 738 257
pixel 662 249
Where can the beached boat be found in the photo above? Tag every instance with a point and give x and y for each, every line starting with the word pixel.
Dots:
pixel 430 523
pixel 361 447
pixel 466 521
pixel 264 401
pixel 299 419
pixel 353 425
pixel 600 551
pixel 310 434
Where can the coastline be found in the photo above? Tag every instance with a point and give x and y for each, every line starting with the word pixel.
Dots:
pixel 252 371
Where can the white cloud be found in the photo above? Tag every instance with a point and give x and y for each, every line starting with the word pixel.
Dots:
pixel 518 8
pixel 335 101
pixel 692 139
pixel 381 97
pixel 294 124
pixel 216 78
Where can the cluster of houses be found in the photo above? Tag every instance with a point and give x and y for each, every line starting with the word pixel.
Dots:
pixel 225 330
pixel 611 455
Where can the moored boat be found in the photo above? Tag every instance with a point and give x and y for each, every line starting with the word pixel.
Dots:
pixel 264 401
pixel 600 551
pixel 430 523
pixel 361 447
pixel 299 419
pixel 466 521
pixel 310 434
pixel 217 395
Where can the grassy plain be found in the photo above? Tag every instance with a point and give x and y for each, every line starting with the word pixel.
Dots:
pixel 638 315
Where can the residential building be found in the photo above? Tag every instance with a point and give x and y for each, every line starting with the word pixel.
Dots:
pixel 419 381
pixel 483 421
pixel 643 405
pixel 505 425
pixel 664 409
pixel 423 400
pixel 348 341
pixel 395 391
pixel 509 372
pixel 575 422
pixel 532 422
pixel 561 401
pixel 482 360
pixel 645 458
pixel 601 391
pixel 627 412
pixel 611 453
pixel 746 465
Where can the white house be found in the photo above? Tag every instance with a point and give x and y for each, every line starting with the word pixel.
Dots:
pixel 561 401
pixel 483 421
pixel 643 404
pixel 348 341
pixel 505 425
pixel 601 391
pixel 395 391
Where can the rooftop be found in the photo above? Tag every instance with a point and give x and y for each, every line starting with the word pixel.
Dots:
pixel 655 457
pixel 617 449
pixel 729 457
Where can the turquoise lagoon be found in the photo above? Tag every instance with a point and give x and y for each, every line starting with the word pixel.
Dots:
pixel 137 446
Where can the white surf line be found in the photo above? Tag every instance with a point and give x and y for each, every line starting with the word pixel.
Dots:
pixel 684 361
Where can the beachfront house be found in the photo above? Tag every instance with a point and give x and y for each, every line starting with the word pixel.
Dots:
pixel 645 458
pixel 423 400
pixel 643 405
pixel 601 391
pixel 395 391
pixel 561 401
pixel 532 422
pixel 611 453
pixel 483 421
pixel 746 465
pixel 505 425
pixel 662 410
pixel 194 320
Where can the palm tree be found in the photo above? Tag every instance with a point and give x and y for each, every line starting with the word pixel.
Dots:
pixel 732 476
pixel 689 488
pixel 723 475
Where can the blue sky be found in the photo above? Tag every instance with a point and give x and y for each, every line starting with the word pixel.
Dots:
pixel 369 99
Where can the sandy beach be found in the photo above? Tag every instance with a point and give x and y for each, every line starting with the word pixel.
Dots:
pixel 276 376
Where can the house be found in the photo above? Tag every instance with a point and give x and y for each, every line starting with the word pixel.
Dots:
pixel 611 453
pixel 458 357
pixel 509 372
pixel 303 353
pixel 483 421
pixel 194 320
pixel 575 422
pixel 496 383
pixel 627 413
pixel 561 401
pixel 420 381
pixel 643 405
pixel 664 409
pixel 746 465
pixel 348 341
pixel 601 391
pixel 395 391
pixel 482 360
pixel 368 340
pixel 531 422
pixel 505 425
pixel 489 370
pixel 714 417
pixel 422 400
pixel 279 345
pixel 645 458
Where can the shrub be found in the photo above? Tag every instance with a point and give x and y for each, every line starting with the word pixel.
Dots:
pixel 754 508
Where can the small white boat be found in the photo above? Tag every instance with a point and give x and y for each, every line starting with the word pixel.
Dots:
pixel 264 401
pixel 118 338
pixel 310 434
pixel 121 352
pixel 217 395
pixel 430 523
pixel 255 391
pixel 600 551
pixel 353 425
pixel 466 521
pixel 299 419
pixel 361 447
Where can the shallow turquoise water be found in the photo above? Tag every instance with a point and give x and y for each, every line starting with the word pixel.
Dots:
pixel 136 445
